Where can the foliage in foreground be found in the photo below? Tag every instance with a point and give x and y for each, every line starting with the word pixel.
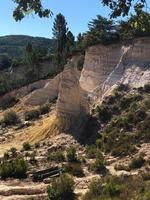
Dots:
pixel 118 188
pixel 61 188
pixel 16 168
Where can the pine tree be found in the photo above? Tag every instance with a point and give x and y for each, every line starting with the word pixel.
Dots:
pixel 60 35
pixel 70 45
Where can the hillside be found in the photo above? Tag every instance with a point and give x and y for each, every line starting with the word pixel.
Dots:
pixel 14 45
pixel 91 124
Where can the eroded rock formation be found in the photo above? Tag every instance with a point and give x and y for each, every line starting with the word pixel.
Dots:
pixel 106 66
pixel 45 94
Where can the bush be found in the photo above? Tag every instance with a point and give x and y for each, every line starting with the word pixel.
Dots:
pixel 111 188
pixel 125 102
pixel 122 87
pixel 147 88
pixel 99 165
pixel 13 169
pixel 137 162
pixel 33 160
pixel 6 156
pixel 8 101
pixel 13 151
pixel 26 146
pixel 99 143
pixel 91 151
pixel 56 156
pixel 80 63
pixel 104 113
pixel 74 169
pixel 94 190
pixel 117 188
pixel 71 154
pixel 10 118
pixel 44 109
pixel 61 188
pixel 32 115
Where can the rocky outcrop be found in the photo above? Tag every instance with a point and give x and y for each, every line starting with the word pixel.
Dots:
pixel 107 66
pixel 71 103
pixel 69 93
pixel 47 93
pixel 100 61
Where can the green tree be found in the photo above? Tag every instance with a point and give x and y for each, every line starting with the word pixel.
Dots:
pixel 5 61
pixel 137 25
pixel 70 44
pixel 33 62
pixel 101 30
pixel 123 7
pixel 60 35
pixel 100 24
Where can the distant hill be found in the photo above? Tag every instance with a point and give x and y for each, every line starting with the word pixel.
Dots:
pixel 14 45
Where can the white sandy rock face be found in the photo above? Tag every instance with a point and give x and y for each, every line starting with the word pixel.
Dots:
pixel 45 94
pixel 100 61
pixel 69 98
pixel 106 66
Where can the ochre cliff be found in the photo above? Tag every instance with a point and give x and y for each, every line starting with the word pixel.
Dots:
pixel 106 66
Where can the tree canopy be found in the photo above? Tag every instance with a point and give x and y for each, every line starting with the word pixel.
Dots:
pixel 27 6
pixel 122 7
pixel 118 7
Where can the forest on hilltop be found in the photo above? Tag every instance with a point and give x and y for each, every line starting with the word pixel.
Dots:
pixel 14 45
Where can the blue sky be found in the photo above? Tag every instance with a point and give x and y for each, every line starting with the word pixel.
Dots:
pixel 77 12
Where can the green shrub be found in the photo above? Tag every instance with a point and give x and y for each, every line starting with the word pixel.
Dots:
pixel 26 146
pixel 13 169
pixel 147 88
pixel 91 151
pixel 104 113
pixel 10 118
pixel 139 115
pixel 57 156
pixel 44 109
pixel 99 165
pixel 13 151
pixel 118 188
pixel 8 101
pixel 74 169
pixel 122 87
pixel 61 188
pixel 71 154
pixel 94 190
pixel 32 115
pixel 33 160
pixel 111 188
pixel 99 143
pixel 125 102
pixel 80 63
pixel 37 145
pixel 137 162
pixel 6 156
